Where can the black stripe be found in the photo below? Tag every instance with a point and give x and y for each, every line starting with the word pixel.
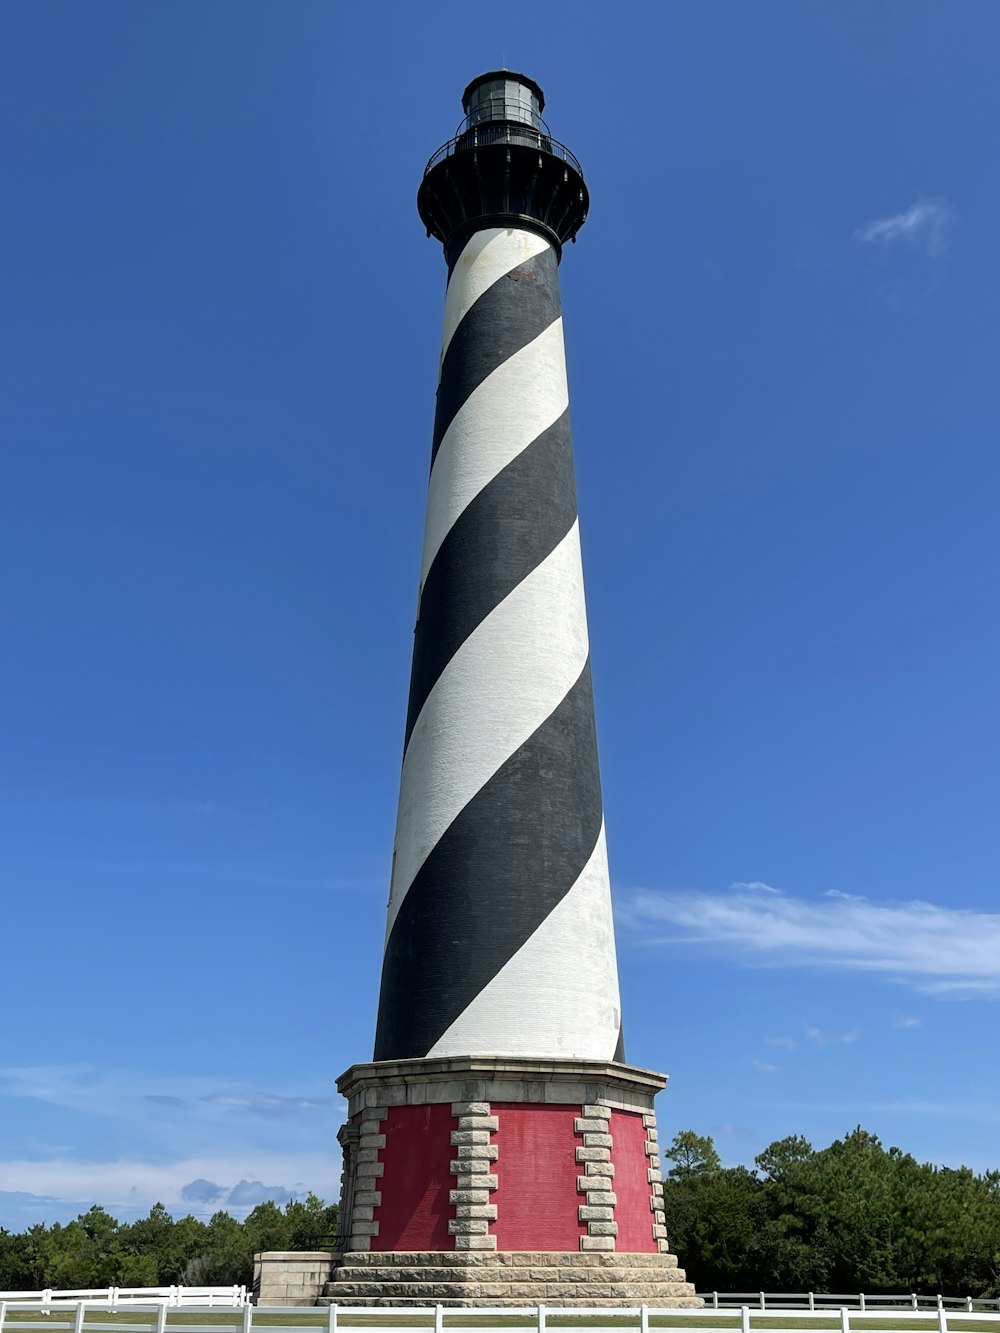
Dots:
pixel 509 315
pixel 497 540
pixel 620 1048
pixel 503 864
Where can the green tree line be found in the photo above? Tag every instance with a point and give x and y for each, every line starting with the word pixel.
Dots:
pixel 851 1217
pixel 848 1218
pixel 95 1250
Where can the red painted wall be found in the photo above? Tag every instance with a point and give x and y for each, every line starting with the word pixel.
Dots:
pixel 414 1211
pixel 536 1196
pixel 632 1211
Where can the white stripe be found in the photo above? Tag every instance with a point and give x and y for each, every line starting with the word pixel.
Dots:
pixel 558 995
pixel 499 419
pixel 508 676
pixel 488 256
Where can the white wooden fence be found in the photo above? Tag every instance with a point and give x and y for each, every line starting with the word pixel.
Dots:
pixel 85 1316
pixel 211 1297
pixel 809 1300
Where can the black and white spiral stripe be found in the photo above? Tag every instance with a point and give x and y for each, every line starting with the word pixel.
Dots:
pixel 500 936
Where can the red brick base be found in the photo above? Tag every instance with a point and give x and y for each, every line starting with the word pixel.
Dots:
pixel 507 1176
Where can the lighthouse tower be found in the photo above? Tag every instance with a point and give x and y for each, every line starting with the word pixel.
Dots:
pixel 498 1147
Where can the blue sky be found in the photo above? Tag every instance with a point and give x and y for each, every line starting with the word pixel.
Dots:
pixel 219 321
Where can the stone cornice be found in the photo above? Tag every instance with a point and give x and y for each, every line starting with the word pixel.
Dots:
pixel 499 1068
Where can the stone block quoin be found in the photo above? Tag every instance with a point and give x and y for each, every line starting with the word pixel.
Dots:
pixel 655 1183
pixel 365 1173
pixel 593 1128
pixel 475 1152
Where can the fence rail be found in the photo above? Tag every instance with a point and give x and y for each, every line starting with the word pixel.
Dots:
pixel 810 1300
pixel 84 1316
pixel 234 1297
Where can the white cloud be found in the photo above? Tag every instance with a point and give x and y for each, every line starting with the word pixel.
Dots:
pixel 943 951
pixel 821 1039
pixel 171 1108
pixel 193 1142
pixel 129 1189
pixel 764 1067
pixel 987 1112
pixel 925 224
pixel 786 1043
pixel 904 1021
pixel 269 1104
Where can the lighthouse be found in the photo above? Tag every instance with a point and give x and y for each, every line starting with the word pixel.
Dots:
pixel 498 1148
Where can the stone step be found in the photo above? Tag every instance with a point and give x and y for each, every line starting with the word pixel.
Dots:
pixel 633 1290
pixel 515 1278
pixel 663 1299
pixel 503 1258
pixel 532 1277
pixel 341 1290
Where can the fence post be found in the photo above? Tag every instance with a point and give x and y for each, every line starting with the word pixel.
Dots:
pixel 161 1318
pixel 968 1304
pixel 247 1317
pixel 438 1319
pixel 862 1302
pixel 332 1325
pixel 744 1319
pixel 942 1317
pixel 913 1299
pixel 715 1300
pixel 81 1311
pixel 845 1319
pixel 3 1314
pixel 541 1319
pixel 812 1300
pixel 644 1318
pixel 762 1302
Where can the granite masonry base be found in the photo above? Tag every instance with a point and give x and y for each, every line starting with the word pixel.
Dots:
pixel 588 1278
pixel 291 1277
pixel 498 1180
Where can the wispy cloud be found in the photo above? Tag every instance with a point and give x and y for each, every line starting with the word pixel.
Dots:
pixel 983 1112
pixel 123 1094
pixel 268 1104
pixel 59 1189
pixel 821 1039
pixel 183 1123
pixel 906 1021
pixel 786 1043
pixel 764 1067
pixel 943 951
pixel 925 224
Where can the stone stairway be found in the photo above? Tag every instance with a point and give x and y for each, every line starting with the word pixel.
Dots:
pixel 593 1278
